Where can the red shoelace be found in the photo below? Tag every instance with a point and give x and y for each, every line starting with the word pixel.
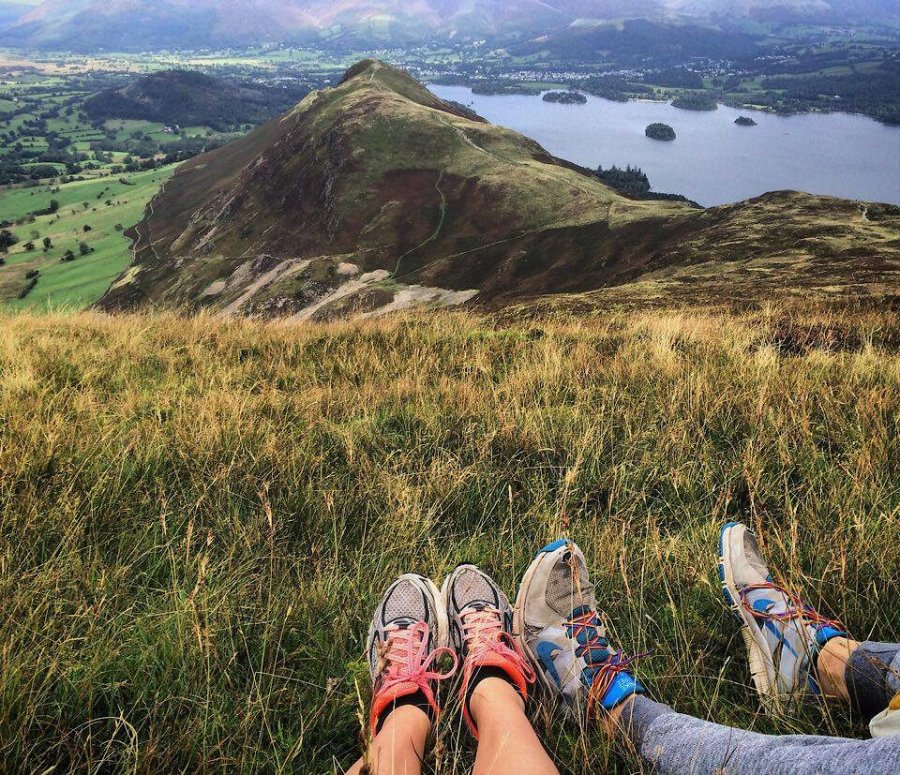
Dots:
pixel 605 676
pixel 404 659
pixel 606 670
pixel 796 609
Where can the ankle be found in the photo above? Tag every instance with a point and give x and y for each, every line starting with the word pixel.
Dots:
pixel 612 721
pixel 411 709
pixel 494 698
pixel 831 667
pixel 412 718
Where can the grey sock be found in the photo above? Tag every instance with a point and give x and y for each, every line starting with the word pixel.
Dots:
pixel 637 716
pixel 873 677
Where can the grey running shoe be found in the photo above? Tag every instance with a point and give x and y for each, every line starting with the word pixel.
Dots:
pixel 407 637
pixel 556 622
pixel 481 632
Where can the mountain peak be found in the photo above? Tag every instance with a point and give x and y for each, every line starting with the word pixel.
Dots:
pixel 375 195
pixel 366 68
pixel 376 177
pixel 375 74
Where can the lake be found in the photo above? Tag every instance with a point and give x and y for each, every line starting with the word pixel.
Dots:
pixel 712 161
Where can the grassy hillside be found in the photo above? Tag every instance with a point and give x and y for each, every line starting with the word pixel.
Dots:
pixel 380 174
pixel 197 516
pixel 111 203
pixel 367 191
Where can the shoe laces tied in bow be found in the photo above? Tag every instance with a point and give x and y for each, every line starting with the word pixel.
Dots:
pixel 603 665
pixel 405 662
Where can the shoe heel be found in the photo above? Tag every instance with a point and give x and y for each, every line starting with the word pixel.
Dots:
pixel 443 619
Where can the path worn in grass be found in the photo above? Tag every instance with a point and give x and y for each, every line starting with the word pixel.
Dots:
pixel 442 214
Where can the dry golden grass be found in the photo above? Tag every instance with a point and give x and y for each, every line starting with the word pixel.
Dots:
pixel 197 516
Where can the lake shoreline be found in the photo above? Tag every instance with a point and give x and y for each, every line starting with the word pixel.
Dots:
pixel 713 161
pixel 735 105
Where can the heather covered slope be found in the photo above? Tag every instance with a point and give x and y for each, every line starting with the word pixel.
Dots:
pixel 376 195
pixel 780 246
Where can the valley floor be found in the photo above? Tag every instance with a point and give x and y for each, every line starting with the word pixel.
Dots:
pixel 94 213
pixel 197 515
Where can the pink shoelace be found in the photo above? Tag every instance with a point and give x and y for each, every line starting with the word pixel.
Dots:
pixel 483 633
pixel 484 643
pixel 404 659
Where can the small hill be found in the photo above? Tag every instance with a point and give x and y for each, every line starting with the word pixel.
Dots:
pixel 190 98
pixel 376 195
pixel 378 184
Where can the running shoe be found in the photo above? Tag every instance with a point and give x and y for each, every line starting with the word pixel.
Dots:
pixel 407 638
pixel 783 635
pixel 557 624
pixel 480 620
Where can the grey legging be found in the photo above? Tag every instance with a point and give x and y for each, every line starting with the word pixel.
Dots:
pixel 674 744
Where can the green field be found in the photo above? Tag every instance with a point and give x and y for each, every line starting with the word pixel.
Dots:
pixel 197 517
pixel 49 116
pixel 78 283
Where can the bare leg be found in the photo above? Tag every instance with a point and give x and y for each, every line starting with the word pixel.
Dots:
pixel 507 742
pixel 400 745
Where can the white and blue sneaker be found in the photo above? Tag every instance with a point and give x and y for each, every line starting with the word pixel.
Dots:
pixel 555 620
pixel 783 635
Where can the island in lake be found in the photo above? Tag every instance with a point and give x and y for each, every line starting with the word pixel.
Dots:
pixel 744 121
pixel 565 97
pixel 660 132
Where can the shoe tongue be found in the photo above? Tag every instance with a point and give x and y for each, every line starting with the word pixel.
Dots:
pixel 397 644
pixel 489 621
pixel 753 556
pixel 581 611
pixel 767 601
